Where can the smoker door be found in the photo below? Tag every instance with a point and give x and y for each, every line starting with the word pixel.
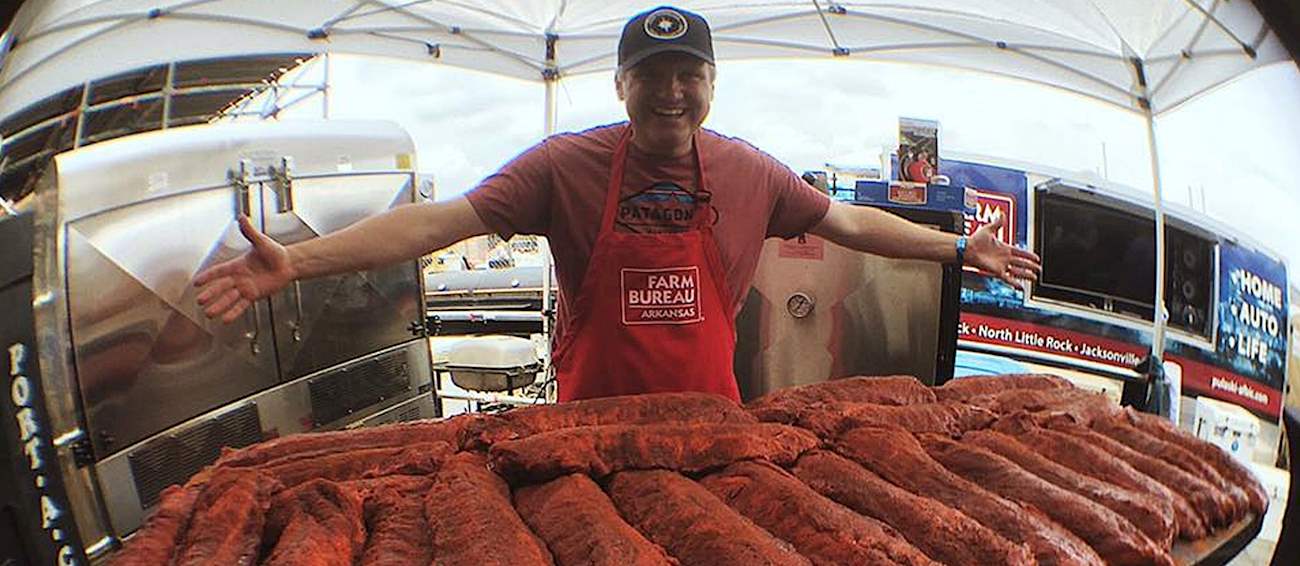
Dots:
pixel 819 311
pixel 324 321
pixel 146 357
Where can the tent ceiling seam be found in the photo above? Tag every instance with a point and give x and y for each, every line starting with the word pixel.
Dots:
pixel 1203 54
pixel 477 46
pixel 11 80
pixel 1000 45
pixel 972 16
pixel 935 28
pixel 1260 36
pixel 425 29
pixel 56 27
pixel 458 31
pixel 1125 47
pixel 1209 15
pixel 830 33
pixel 1185 53
pixel 523 24
pixel 341 16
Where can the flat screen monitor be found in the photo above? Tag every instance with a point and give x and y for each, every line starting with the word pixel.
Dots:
pixel 1103 257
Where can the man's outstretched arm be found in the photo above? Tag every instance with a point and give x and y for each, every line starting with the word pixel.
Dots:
pixel 876 231
pixel 400 234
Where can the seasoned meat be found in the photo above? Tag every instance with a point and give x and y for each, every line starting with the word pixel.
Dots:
pixel 898 457
pixel 824 531
pixel 226 528
pixel 472 520
pixel 943 533
pixel 1154 518
pixel 1213 505
pixel 684 408
pixel 601 450
pixel 582 527
pixel 1079 405
pixel 317 523
pixel 1119 429
pixel 342 466
pixel 785 405
pixel 1082 457
pixel 155 543
pixel 461 431
pixel 398 534
pixel 1113 537
pixel 1229 468
pixel 693 525
pixel 947 417
pixel 964 388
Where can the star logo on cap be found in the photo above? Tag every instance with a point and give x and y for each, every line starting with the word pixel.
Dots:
pixel 665 24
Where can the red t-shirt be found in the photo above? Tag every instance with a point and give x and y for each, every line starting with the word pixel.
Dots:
pixel 557 189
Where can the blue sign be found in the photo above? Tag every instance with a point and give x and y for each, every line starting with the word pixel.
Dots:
pixel 1252 312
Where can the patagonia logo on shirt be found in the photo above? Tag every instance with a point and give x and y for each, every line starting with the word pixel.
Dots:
pixel 667 295
pixel 660 208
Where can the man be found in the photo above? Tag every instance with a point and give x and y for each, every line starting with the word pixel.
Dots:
pixel 655 224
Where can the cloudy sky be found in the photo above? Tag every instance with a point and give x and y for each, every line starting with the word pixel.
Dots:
pixel 1229 153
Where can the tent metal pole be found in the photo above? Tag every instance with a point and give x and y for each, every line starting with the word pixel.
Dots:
pixel 325 87
pixel 1158 385
pixel 548 126
pixel 1158 329
pixel 551 79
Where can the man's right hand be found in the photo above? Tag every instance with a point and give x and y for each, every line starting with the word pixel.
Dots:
pixel 230 287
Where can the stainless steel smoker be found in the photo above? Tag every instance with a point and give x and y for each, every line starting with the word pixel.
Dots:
pixel 142 389
pixel 819 311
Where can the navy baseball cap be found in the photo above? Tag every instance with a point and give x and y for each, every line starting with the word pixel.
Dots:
pixel 661 30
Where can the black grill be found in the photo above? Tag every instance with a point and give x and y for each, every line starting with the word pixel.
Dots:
pixel 408 414
pixel 350 389
pixel 173 459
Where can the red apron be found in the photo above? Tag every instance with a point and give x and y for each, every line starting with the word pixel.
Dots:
pixel 651 314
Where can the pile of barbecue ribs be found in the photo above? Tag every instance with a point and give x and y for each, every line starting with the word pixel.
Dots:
pixel 1018 469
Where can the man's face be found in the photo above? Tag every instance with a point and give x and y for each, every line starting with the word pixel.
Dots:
pixel 667 98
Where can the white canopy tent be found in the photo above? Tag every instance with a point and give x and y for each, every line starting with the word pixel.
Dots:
pixel 1118 51
pixel 1143 56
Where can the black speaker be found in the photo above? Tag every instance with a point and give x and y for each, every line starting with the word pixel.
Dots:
pixel 1189 280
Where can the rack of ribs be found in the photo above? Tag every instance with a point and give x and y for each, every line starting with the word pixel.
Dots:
pixel 398 535
pixel 1114 538
pixel 317 523
pixel 472 520
pixel 1082 457
pixel 226 527
pixel 964 388
pixel 581 526
pixel 899 458
pixel 460 431
pixel 945 417
pixel 1078 405
pixel 943 533
pixel 342 466
pixel 693 525
pixel 684 408
pixel 1228 467
pixel 1154 517
pixel 155 543
pixel 1214 506
pixel 824 531
pixel 601 450
pixel 785 405
pixel 1119 429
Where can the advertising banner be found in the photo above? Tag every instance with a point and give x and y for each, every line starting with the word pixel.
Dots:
pixel 1120 354
pixel 1252 311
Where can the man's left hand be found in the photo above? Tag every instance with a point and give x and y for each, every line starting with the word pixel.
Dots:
pixel 991 255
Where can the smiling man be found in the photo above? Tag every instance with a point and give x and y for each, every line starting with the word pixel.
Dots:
pixel 656 226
